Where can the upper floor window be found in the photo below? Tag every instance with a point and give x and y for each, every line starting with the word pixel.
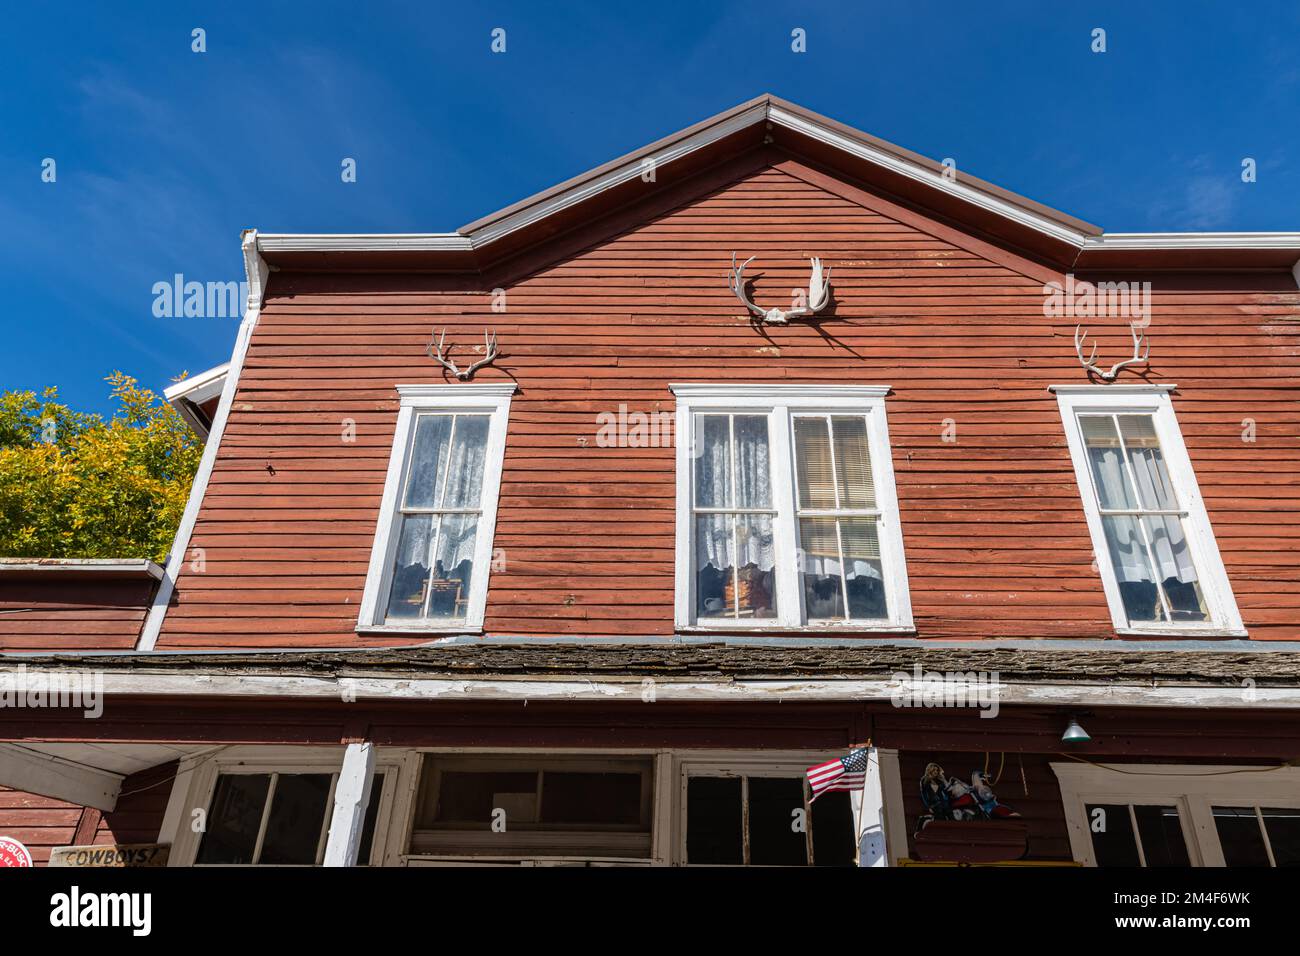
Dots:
pixel 433 544
pixel 1159 562
pixel 787 515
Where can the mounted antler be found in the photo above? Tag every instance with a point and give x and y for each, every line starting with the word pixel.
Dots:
pixel 438 354
pixel 819 288
pixel 1139 356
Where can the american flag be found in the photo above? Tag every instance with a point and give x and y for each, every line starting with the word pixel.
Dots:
pixel 843 773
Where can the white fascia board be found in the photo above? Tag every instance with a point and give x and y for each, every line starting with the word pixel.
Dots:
pixel 365 242
pixel 198 388
pixel 196 684
pixel 257 272
pixel 1193 240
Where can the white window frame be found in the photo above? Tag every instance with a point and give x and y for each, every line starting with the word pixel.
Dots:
pixel 416 400
pixel 196 786
pixel 1073 400
pixel 1193 788
pixel 781 403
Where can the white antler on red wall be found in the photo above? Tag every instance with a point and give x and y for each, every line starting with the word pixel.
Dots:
pixel 819 293
pixel 439 355
pixel 1139 356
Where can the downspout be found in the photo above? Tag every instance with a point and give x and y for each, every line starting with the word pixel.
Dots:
pixel 257 272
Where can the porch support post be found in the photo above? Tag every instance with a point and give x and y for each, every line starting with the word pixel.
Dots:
pixel 871 830
pixel 351 796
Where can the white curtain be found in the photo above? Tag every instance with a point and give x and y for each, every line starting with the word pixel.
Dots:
pixel 1168 543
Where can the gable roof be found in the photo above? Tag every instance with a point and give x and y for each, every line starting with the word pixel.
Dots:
pixel 1027 227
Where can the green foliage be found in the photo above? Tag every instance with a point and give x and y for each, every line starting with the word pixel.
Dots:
pixel 73 485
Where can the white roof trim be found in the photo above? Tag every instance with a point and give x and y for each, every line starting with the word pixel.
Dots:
pixel 197 683
pixel 198 388
pixel 583 189
pixel 105 566
pixel 1194 240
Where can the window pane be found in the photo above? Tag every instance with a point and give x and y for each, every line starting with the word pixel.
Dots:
pixel 713 461
pixel 1240 836
pixel 411 567
pixel 753 481
pixel 297 820
pixel 464 486
pixel 853 462
pixel 1113 843
pixel 714 563
pixel 714 821
pixel 466 799
pixel 1174 564
pixel 1106 459
pixel 1149 471
pixel 591 799
pixel 234 819
pixel 1162 836
pixel 863 571
pixel 773 840
pixel 372 817
pixel 823 590
pixel 1283 828
pixel 428 458
pixel 755 586
pixel 834 839
pixel 816 478
pixel 1128 556
pixel 454 566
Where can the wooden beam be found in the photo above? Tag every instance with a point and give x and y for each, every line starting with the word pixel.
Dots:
pixel 351 797
pixel 871 819
pixel 55 777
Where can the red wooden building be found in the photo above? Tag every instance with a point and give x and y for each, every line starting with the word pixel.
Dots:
pixel 692 527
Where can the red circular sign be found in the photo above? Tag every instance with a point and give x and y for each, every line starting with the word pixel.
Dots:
pixel 13 853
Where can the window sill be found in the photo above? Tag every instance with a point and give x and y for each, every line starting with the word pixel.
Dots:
pixel 1183 632
pixel 805 630
pixel 383 630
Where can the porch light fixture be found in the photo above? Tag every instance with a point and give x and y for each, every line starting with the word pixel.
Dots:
pixel 1074 733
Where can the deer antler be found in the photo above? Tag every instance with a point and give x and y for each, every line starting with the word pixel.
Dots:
pixel 819 287
pixel 1139 356
pixel 438 354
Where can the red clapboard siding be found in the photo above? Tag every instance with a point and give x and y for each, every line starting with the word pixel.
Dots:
pixel 43 823
pixel 994 532
pixel 64 614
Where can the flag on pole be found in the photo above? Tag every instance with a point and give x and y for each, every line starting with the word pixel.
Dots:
pixel 843 773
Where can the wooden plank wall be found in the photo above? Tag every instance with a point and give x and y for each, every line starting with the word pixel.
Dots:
pixel 994 532
pixel 59 614
pixel 43 823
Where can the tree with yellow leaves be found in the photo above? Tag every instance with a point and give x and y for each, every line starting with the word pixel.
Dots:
pixel 73 485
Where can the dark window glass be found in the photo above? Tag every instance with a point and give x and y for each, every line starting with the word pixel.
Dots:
pixel 372 816
pixel 601 799
pixel 469 797
pixel 1113 843
pixel 1283 828
pixel 1162 836
pixel 234 819
pixel 714 821
pixel 773 840
pixel 834 839
pixel 293 830
pixel 1240 836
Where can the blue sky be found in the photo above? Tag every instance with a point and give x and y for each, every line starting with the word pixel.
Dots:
pixel 163 155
